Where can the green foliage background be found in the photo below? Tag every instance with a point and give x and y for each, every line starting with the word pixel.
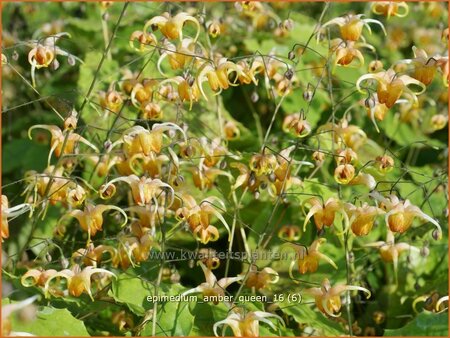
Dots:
pixel 421 171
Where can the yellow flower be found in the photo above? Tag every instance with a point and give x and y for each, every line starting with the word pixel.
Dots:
pixel 384 164
pixel 328 298
pixel 323 213
pixel 263 164
pixel 344 173
pixel 198 217
pixel 180 55
pixel 361 219
pixel 111 101
pixel 91 218
pixel 246 325
pixel 260 279
pixel 172 26
pixel 289 233
pixel 78 281
pixel 390 8
pixel 391 251
pixel 214 29
pixel 144 189
pixel 146 41
pixel 391 86
pixel 218 75
pixel 351 26
pixel 205 177
pixel 43 54
pixel 308 258
pixel 297 125
pixel 400 214
pixel 138 140
pixel 58 140
pixel 212 286
pixel 231 130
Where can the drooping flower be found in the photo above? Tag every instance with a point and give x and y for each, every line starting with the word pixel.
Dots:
pixel 212 286
pixel 351 26
pixel 11 212
pixel 307 259
pixel 361 218
pixel 391 86
pixel 246 324
pixel 260 279
pixel 144 189
pixel 328 298
pixel 289 233
pixel 390 8
pixel 424 67
pixel 59 144
pixel 138 140
pixel 43 54
pixel 323 213
pixel 172 26
pixel 199 216
pixel 78 281
pixel 91 218
pixel 400 214
pixel 391 251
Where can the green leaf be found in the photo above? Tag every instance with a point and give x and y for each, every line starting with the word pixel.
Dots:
pixel 23 154
pixel 425 324
pixel 51 322
pixel 132 291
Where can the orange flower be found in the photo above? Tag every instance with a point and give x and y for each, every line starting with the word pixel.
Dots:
pixel 308 258
pixel 212 286
pixel 146 41
pixel 43 54
pixel 328 298
pixel 260 279
pixel 78 281
pixel 11 212
pixel 144 189
pixel 58 140
pixel 400 214
pixel 391 251
pixel 172 26
pixel 425 67
pixel 390 8
pixel 391 86
pixel 91 218
pixel 351 26
pixel 323 213
pixel 361 219
pixel 198 217
pixel 246 325
pixel 289 233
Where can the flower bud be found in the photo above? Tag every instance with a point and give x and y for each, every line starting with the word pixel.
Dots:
pixel 375 66
pixel 291 55
pixel 308 95
pixel 289 74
